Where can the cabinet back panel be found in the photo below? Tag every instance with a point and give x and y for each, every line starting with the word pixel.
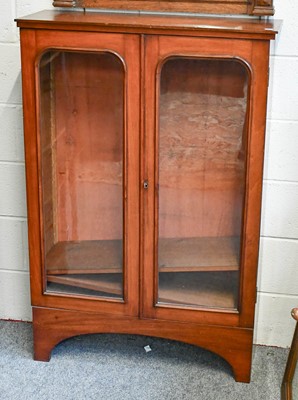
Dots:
pixel 202 140
pixel 85 149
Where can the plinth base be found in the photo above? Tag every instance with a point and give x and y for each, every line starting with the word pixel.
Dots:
pixel 52 326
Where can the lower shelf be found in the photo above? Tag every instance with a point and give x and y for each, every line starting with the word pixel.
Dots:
pixel 100 285
pixel 92 284
pixel 196 271
pixel 204 289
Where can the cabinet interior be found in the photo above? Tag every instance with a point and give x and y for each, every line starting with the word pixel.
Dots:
pixel 200 153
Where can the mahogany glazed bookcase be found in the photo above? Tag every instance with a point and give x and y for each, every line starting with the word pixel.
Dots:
pixel 144 142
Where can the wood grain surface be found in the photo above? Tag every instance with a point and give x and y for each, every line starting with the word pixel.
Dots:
pixel 252 7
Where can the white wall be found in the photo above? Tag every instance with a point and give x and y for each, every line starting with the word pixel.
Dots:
pixel 278 263
pixel 277 282
pixel 14 276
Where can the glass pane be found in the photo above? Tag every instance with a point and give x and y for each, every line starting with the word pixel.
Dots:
pixel 81 113
pixel 202 139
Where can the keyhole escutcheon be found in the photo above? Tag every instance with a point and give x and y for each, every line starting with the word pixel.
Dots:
pixel 145 184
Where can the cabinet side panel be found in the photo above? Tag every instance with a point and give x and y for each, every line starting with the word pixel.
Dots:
pixel 28 54
pixel 47 107
pixel 257 123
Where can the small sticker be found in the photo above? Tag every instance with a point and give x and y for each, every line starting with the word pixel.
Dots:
pixel 147 348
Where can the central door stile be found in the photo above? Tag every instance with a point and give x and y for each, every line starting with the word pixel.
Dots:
pixel 148 184
pixel 132 165
pixel 143 172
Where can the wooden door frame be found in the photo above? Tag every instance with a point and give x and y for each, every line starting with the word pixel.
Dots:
pixel 35 43
pixel 255 54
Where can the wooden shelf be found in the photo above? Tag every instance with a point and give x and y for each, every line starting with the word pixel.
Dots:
pixel 106 283
pixel 175 255
pixel 215 290
pixel 199 254
pixel 185 266
pixel 85 257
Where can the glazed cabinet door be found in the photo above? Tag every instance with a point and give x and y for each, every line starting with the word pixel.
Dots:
pixel 82 169
pixel 203 170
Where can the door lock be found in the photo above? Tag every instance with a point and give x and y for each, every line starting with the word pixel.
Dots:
pixel 146 184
